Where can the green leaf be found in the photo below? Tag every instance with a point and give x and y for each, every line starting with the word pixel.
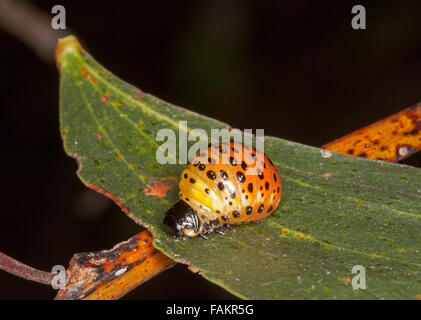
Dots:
pixel 337 211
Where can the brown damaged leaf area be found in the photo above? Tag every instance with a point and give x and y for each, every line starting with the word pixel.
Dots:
pixel 391 139
pixel 99 275
pixel 158 187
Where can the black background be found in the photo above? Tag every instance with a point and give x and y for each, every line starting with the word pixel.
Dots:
pixel 295 68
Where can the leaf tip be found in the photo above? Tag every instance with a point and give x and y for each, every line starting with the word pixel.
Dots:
pixel 66 45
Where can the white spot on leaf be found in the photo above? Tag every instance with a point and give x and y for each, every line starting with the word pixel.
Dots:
pixel 325 153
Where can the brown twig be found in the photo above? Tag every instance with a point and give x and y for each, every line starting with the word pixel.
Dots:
pixel 19 269
pixel 110 274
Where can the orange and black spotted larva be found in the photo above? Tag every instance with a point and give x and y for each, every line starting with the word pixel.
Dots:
pixel 229 183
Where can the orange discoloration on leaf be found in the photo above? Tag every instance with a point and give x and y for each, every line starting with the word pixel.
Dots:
pixel 391 139
pixel 85 73
pixel 109 195
pixel 110 274
pixel 105 99
pixel 158 187
pixel 88 76
pixel 99 136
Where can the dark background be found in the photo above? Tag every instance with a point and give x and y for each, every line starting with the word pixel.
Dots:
pixel 295 68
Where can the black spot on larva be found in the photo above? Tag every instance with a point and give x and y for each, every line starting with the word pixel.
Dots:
pixel 350 151
pixel 250 187
pixel 244 166
pixel 211 160
pixel 241 177
pixel 243 191
pixel 270 161
pixel 196 163
pixel 253 156
pixel 187 199
pixel 277 190
pixel 202 167
pixel 207 190
pixel 267 184
pixel 232 161
pixel 217 211
pixel 233 194
pixel 192 180
pixel 209 144
pixel 247 197
pixel 230 203
pixel 249 210
pixel 260 174
pixel 270 209
pixel 216 221
pixel 225 218
pixel 264 164
pixel 185 176
pixel 223 175
pixel 220 186
pixel 362 154
pixel 207 226
pixel 211 174
pixel 262 195
pixel 261 188
pixel 235 214
pixel 274 178
pixel 261 207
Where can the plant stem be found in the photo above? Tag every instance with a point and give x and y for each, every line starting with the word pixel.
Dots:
pixel 19 269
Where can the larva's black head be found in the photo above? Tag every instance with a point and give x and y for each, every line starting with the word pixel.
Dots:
pixel 181 220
